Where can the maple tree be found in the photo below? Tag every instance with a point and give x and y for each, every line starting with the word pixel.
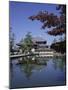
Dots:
pixel 50 20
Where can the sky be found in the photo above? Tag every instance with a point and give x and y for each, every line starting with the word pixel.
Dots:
pixel 18 15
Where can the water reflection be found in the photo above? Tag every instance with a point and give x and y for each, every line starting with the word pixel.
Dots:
pixel 28 65
pixel 37 71
pixel 59 63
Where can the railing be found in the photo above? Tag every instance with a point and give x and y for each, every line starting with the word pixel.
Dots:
pixel 38 54
pixel 22 55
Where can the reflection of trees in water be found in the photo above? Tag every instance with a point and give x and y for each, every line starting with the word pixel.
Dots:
pixel 12 67
pixel 27 68
pixel 29 65
pixel 11 73
pixel 59 63
pixel 33 60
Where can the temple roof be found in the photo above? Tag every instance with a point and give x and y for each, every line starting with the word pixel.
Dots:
pixel 38 40
pixel 35 40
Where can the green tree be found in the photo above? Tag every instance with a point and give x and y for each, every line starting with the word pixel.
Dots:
pixel 12 41
pixel 50 20
pixel 27 43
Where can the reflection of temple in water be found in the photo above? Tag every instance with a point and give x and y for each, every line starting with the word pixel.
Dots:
pixel 34 64
pixel 30 66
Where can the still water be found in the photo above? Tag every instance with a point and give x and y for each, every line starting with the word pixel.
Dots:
pixel 34 72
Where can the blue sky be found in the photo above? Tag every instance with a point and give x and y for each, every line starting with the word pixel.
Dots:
pixel 19 13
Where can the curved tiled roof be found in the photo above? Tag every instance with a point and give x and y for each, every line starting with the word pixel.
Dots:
pixel 38 39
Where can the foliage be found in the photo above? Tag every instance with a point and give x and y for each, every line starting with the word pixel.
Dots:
pixel 27 43
pixel 59 46
pixel 51 20
pixel 12 39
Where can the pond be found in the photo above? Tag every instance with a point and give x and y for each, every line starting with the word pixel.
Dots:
pixel 37 72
